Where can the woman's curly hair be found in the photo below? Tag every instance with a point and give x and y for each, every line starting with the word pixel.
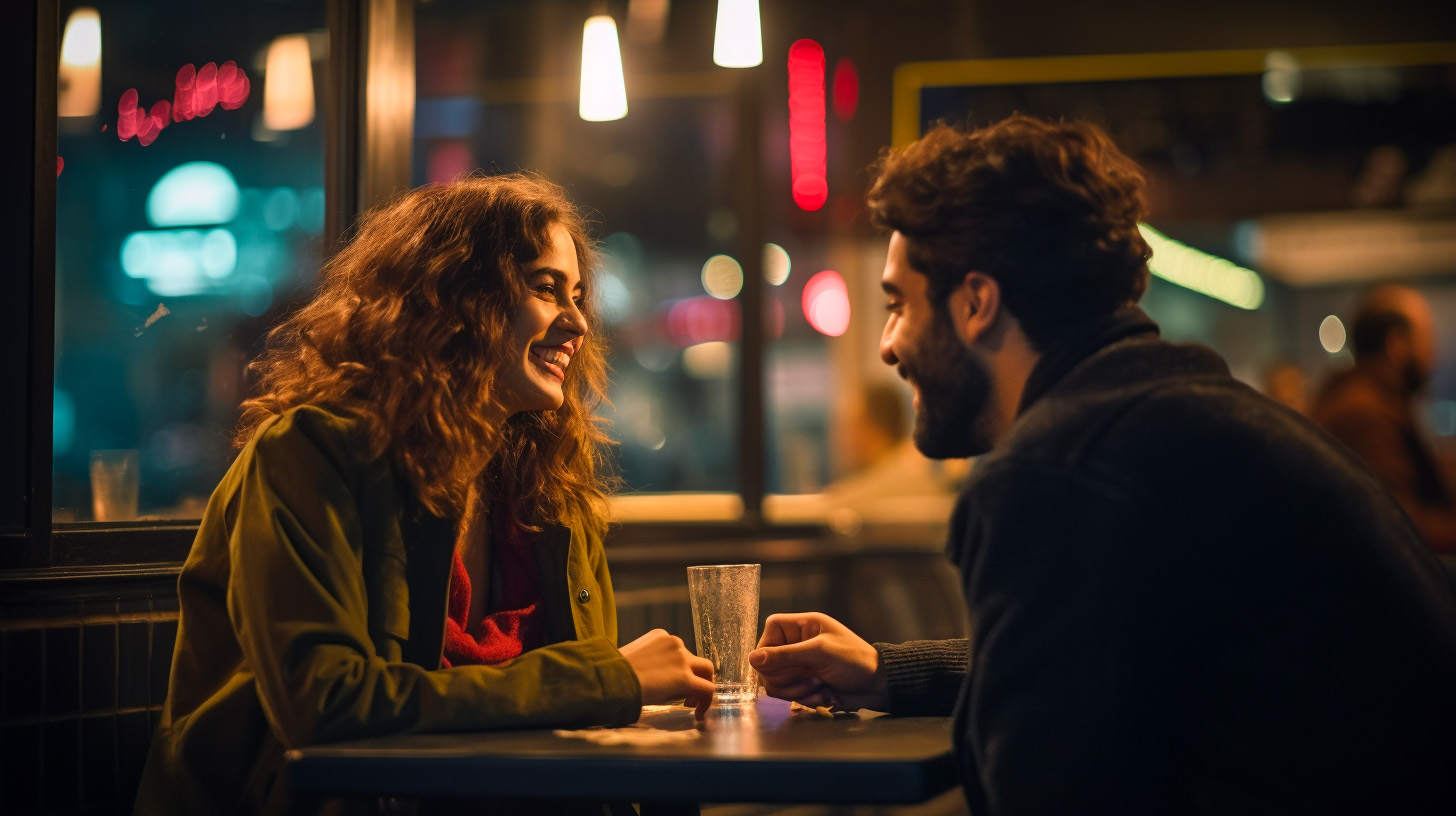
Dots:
pixel 1049 210
pixel 407 332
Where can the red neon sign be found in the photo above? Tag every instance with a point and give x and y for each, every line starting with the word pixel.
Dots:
pixel 807 165
pixel 199 92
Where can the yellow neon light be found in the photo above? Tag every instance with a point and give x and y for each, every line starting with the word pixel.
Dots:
pixel 1203 273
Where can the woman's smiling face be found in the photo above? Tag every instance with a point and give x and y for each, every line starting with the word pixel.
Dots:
pixel 547 328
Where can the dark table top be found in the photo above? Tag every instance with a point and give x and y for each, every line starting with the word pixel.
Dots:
pixel 764 753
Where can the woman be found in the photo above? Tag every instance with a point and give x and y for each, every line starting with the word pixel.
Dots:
pixel 410 537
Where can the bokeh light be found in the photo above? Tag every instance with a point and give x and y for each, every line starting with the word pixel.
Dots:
pixel 280 209
pixel 1281 77
pixel 288 84
pixel 722 277
pixel 826 303
pixel 1332 334
pixel 776 264
pixel 701 319
pixel 706 361
pixel 1206 274
pixel 807 164
pixel 613 297
pixel 193 193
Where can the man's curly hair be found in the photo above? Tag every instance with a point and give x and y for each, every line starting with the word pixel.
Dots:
pixel 1049 210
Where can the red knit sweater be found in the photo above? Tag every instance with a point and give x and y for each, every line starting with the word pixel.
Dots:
pixel 516 625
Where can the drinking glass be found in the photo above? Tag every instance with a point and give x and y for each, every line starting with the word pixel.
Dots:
pixel 115 481
pixel 724 600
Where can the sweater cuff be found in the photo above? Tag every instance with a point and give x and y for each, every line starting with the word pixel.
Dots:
pixel 924 677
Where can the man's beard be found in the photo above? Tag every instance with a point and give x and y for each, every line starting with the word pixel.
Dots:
pixel 955 390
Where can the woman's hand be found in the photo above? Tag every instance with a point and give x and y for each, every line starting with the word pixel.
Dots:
pixel 667 670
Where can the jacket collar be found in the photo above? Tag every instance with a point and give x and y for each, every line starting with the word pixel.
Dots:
pixel 1079 342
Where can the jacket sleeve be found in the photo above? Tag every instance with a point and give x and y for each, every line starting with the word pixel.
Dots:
pixel 1058 714
pixel 297 601
pixel 924 676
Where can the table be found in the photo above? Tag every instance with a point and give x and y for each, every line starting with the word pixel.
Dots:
pixel 759 754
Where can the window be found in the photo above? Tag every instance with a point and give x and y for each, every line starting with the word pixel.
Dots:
pixel 189 214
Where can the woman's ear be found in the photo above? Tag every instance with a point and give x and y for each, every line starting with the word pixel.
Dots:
pixel 975 306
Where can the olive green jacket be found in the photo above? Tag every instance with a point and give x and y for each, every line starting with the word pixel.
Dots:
pixel 313 610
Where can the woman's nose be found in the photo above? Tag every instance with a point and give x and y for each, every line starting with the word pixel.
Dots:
pixel 573 319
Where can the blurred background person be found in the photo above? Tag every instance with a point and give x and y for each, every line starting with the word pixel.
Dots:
pixel 878 458
pixel 1285 383
pixel 1371 407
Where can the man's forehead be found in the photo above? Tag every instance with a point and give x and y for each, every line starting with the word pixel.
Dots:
pixel 899 277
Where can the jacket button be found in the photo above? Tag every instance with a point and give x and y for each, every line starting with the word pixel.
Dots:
pixel 583 596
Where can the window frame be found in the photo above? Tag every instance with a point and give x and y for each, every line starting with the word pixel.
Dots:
pixel 368 112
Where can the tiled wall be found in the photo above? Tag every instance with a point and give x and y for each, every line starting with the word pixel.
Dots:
pixel 81 681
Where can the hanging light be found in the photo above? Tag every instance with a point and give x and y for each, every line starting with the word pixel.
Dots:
pixel 603 91
pixel 80 76
pixel 288 84
pixel 737 41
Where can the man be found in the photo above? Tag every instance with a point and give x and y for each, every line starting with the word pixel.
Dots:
pixel 1371 407
pixel 1184 598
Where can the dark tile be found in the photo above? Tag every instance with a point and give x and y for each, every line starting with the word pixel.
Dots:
pixel 20 752
pixel 133 735
pixel 62 675
pixel 133 607
pixel 98 760
pixel 20 675
pixel 132 666
pixel 164 637
pixel 61 767
pixel 98 667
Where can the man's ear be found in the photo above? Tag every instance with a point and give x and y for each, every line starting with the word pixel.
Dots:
pixel 975 306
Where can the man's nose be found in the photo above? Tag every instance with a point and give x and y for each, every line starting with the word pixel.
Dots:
pixel 887 350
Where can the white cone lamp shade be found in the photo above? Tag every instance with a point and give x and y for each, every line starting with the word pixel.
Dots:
pixel 288 84
pixel 737 41
pixel 80 77
pixel 603 91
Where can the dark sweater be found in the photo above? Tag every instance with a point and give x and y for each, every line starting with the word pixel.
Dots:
pixel 1187 599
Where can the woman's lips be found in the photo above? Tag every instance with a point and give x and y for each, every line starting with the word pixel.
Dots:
pixel 552 358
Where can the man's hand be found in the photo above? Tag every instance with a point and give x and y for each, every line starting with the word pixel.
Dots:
pixel 814 660
pixel 667 671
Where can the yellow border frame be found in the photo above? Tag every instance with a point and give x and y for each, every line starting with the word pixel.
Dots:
pixel 911 77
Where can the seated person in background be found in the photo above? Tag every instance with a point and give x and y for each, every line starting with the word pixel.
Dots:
pixel 879 460
pixel 410 537
pixel 1371 407
pixel 1183 597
